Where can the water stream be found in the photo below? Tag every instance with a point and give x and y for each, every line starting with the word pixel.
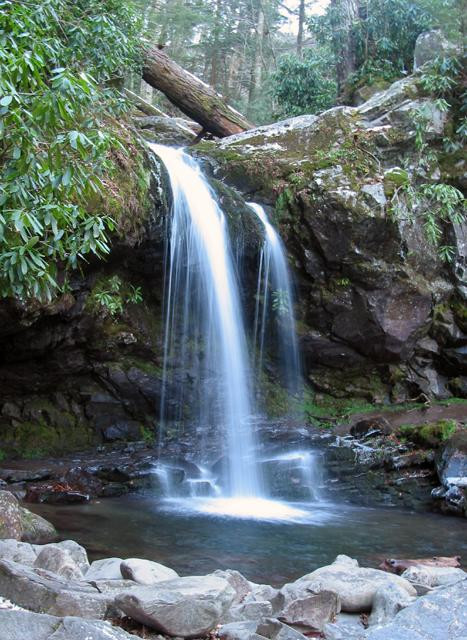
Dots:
pixel 274 299
pixel 205 344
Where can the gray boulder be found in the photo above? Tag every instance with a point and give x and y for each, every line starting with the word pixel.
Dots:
pixel 58 561
pixel 430 45
pixel 441 615
pixel 250 611
pixel 25 625
pixel 17 551
pixel 237 581
pixel 245 630
pixel 11 523
pixel 105 569
pixel 185 607
pixel 434 576
pixel 387 602
pixel 42 591
pixel 347 626
pixel 311 612
pixel 36 528
pixel 19 523
pixel 145 571
pixel 269 628
pixel 76 551
pixel 356 586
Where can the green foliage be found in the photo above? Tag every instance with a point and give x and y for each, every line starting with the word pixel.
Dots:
pixel 148 435
pixel 304 85
pixel 280 302
pixel 435 204
pixel 55 57
pixel 110 296
pixel 428 435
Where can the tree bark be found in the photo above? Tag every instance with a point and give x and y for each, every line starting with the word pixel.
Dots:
pixel 344 15
pixel 192 96
pixel 301 24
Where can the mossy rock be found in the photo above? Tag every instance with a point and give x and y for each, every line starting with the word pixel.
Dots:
pixel 430 435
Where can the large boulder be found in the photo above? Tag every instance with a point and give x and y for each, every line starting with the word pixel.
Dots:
pixel 369 280
pixel 25 625
pixel 184 607
pixel 42 591
pixel 58 561
pixel 19 523
pixel 145 571
pixel 105 569
pixel 431 45
pixel 387 602
pixel 441 615
pixel 433 576
pixel 356 586
pixel 11 519
pixel 311 612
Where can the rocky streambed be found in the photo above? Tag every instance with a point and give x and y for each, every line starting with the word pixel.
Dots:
pixel 53 592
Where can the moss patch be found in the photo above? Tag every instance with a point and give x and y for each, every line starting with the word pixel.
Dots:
pixel 428 435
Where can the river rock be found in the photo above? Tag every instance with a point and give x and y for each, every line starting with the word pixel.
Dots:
pixel 58 561
pixel 237 581
pixel 347 626
pixel 245 630
pixel 185 607
pixel 387 602
pixel 42 591
pixel 76 551
pixel 145 571
pixel 105 569
pixel 269 628
pixel 16 551
pixel 25 625
pixel 11 521
pixel 36 528
pixel 311 612
pixel 434 576
pixel 441 615
pixel 251 611
pixel 356 586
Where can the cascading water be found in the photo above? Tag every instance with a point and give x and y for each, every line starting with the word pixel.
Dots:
pixel 203 308
pixel 274 281
pixel 203 316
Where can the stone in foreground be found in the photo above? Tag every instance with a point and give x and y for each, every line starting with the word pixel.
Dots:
pixel 185 607
pixel 42 591
pixel 311 612
pixel 145 571
pixel 441 615
pixel 25 625
pixel 356 586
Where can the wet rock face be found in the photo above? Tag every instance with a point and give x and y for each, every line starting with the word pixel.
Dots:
pixel 370 287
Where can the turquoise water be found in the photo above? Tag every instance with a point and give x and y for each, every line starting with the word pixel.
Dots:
pixel 275 552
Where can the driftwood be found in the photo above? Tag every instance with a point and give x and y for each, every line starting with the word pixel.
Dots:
pixel 399 566
pixel 196 99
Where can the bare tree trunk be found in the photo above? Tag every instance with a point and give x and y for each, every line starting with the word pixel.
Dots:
pixel 301 25
pixel 344 15
pixel 192 96
pixel 257 65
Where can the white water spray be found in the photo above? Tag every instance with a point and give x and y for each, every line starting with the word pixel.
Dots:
pixel 203 310
pixel 274 280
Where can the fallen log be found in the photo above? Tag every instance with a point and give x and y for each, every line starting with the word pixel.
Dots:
pixel 399 566
pixel 196 99
pixel 142 105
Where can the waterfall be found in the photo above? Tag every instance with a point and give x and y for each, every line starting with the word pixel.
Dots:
pixel 206 363
pixel 274 282
pixel 203 314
